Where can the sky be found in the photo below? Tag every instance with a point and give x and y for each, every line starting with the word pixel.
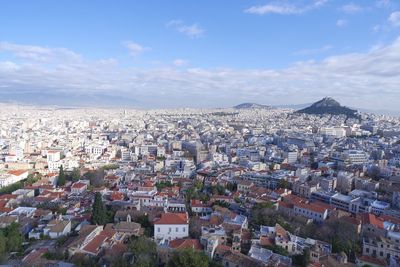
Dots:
pixel 208 53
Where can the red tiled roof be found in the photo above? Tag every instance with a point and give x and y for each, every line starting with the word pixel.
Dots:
pixel 369 259
pixel 112 177
pixel 311 206
pixel 173 218
pixel 17 172
pixel 265 241
pixel 34 255
pixel 117 196
pixel 285 205
pixel 94 245
pixel 220 249
pixel 369 218
pixel 78 185
pixel 351 220
pixel 8 196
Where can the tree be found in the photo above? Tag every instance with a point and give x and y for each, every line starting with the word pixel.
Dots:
pixel 75 175
pixel 223 204
pixel 3 248
pixel 188 258
pixel 144 251
pixel 14 237
pixel 143 220
pixel 374 172
pixel 119 262
pixel 161 185
pixel 61 177
pixel 302 260
pixel 283 184
pixel 96 178
pixel 218 190
pixel 231 187
pixel 340 234
pixel 99 215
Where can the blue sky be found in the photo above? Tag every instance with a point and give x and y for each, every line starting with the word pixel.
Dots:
pixel 204 53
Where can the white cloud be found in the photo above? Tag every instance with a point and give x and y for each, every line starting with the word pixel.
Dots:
pixel 39 53
pixel 192 31
pixel 341 23
pixel 135 48
pixel 284 8
pixel 368 80
pixel 351 8
pixel 394 19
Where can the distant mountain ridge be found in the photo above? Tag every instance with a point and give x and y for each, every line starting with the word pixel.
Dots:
pixel 251 105
pixel 330 106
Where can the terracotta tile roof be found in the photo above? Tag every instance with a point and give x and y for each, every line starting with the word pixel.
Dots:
pixel 281 191
pixel 8 196
pixel 294 199
pixel 17 172
pixel 186 243
pixel 369 218
pixel 173 218
pixel 280 231
pixel 391 219
pixel 118 249
pixel 117 196
pixel 5 209
pixel 285 205
pixel 34 255
pixel 369 259
pixel 265 241
pixel 78 185
pixel 312 207
pixel 221 249
pixel 351 220
pixel 94 245
pixel 111 177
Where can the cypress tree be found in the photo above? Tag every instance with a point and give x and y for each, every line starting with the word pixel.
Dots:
pixel 99 215
pixel 61 177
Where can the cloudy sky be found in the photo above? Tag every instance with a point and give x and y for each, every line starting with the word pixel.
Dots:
pixel 201 53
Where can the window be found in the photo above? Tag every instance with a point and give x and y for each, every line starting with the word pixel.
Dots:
pixel 158 229
pixel 177 229
pixel 184 229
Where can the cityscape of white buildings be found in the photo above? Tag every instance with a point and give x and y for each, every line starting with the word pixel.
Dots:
pixel 318 168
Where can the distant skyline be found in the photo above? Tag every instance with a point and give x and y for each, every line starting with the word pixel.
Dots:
pixel 200 53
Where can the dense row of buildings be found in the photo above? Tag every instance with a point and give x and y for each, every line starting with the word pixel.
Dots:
pixel 197 176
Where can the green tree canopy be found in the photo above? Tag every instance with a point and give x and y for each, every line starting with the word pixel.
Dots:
pixel 75 175
pixel 188 258
pixel 61 177
pixel 14 238
pixel 99 215
pixel 302 260
pixel 3 246
pixel 144 251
